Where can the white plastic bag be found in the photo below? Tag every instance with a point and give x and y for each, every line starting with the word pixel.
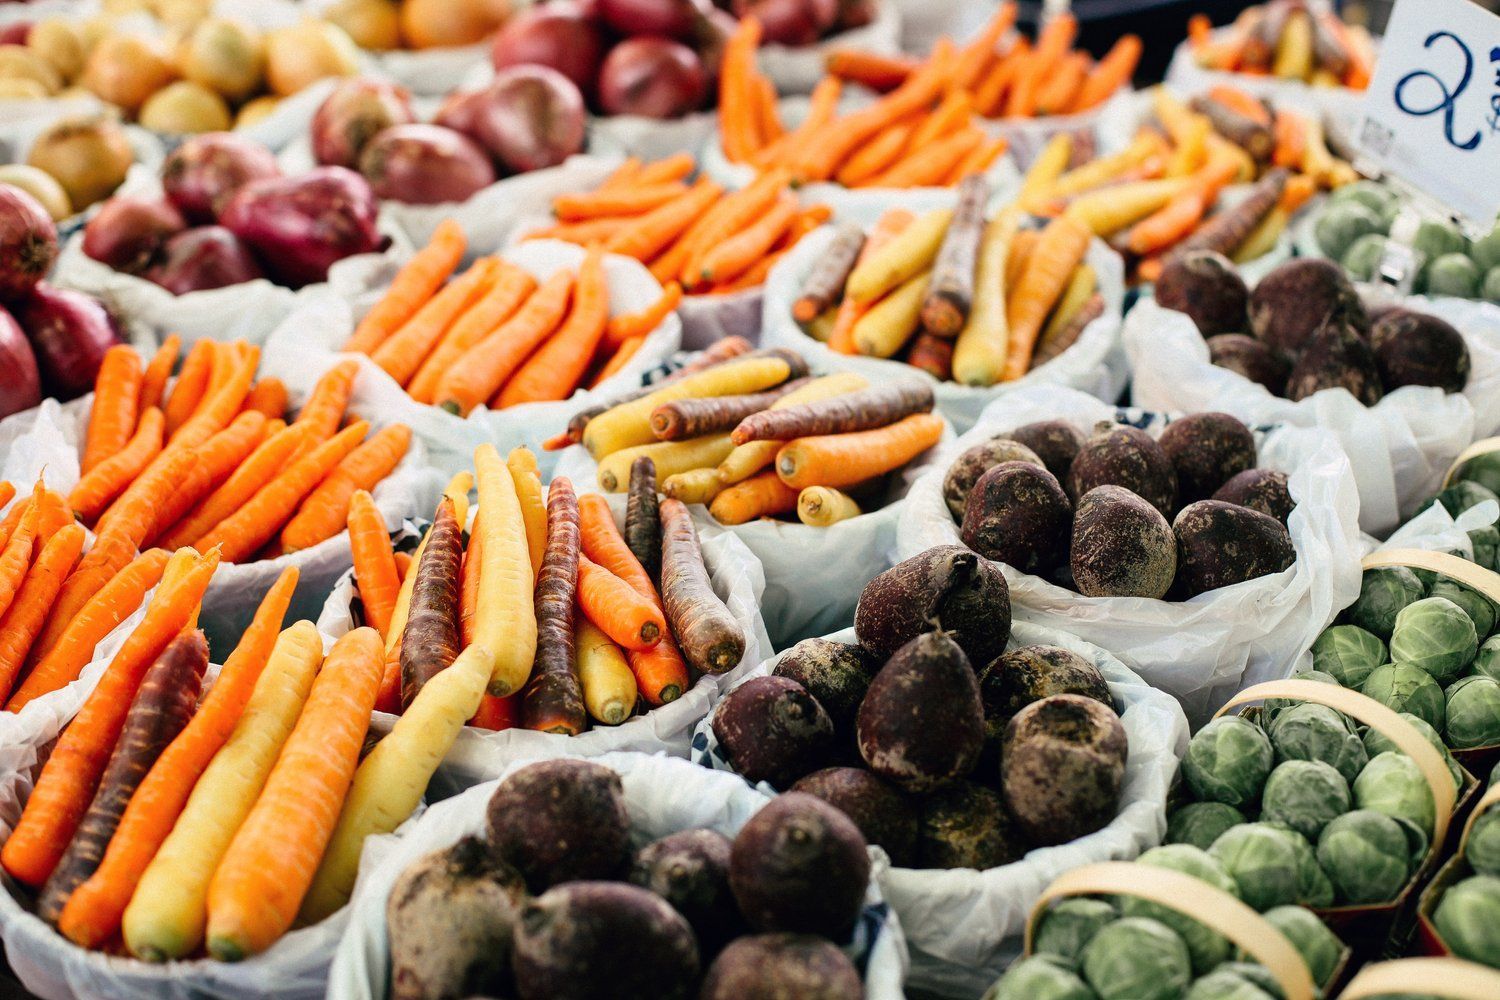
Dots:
pixel 1095 364
pixel 923 22
pixel 1200 650
pixel 797 69
pixel 1399 448
pixel 965 926
pixel 663 796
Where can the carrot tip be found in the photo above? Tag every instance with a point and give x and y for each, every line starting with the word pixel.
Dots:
pixel 669 693
pixel 450 406
pixel 225 949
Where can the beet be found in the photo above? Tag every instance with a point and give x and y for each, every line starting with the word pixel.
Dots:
pixel 1018 514
pixel 202 258
pixel 1063 763
pixel 1413 348
pixel 129 233
pixel 1264 490
pixel 1336 358
pixel 28 242
pixel 946 587
pixel 1297 298
pixel 800 865
pixel 836 674
pixel 1206 286
pixel 782 967
pixel 975 462
pixel 965 826
pixel 690 870
pixel 1251 358
pixel 560 820
pixel 1121 546
pixel 300 226
pixel 1220 544
pixel 585 940
pixel 1207 450
pixel 1055 442
pixel 922 724
pixel 69 332
pixel 200 176
pixel 1030 673
pixel 884 816
pixel 1117 455
pixel 772 730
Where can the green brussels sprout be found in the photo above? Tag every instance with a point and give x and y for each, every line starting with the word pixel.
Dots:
pixel 1305 795
pixel 1067 927
pixel 1483 469
pixel 1487 660
pixel 1404 687
pixel 1262 860
pixel 1485 541
pixel 1349 653
pixel 1309 731
pixel 1393 784
pixel 1373 195
pixel 1200 823
pixel 1480 609
pixel 1483 850
pixel 1486 250
pixel 1489 286
pixel 1473 707
pixel 1254 972
pixel 1224 984
pixel 1313 887
pixel 1453 274
pixel 1206 948
pixel 1468 919
pixel 1364 256
pixel 1340 225
pixel 1463 494
pixel 1377 742
pixel 1383 593
pixel 1228 761
pixel 1435 238
pixel 1436 635
pixel 1039 977
pixel 1137 958
pixel 1273 707
pixel 1317 945
pixel 1366 856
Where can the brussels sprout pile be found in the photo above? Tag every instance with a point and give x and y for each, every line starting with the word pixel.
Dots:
pixel 1128 948
pixel 1468 913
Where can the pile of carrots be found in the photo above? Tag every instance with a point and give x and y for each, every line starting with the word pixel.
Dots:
pixel 1001 74
pixel 693 237
pixel 1290 40
pixel 924 133
pixel 588 624
pixel 493 335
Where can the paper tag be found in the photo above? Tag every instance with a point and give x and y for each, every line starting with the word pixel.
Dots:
pixel 1432 113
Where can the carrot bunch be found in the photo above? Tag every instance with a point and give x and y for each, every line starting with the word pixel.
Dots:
pixel 924 133
pixel 1289 40
pixel 1003 74
pixel 693 237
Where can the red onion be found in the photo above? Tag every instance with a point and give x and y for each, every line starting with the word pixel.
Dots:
pixel 201 174
pixel 425 165
pixel 556 35
pixel 855 14
pixel 352 115
pixel 790 22
pixel 664 18
pixel 653 77
pixel 128 233
pixel 204 258
pixel 711 33
pixel 28 242
pixel 70 332
pixel 532 117
pixel 20 382
pixel 16 33
pixel 299 226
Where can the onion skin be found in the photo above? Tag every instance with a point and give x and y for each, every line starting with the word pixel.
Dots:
pixel 652 77
pixel 128 233
pixel 352 115
pixel 28 242
pixel 204 258
pixel 557 35
pixel 425 165
pixel 532 118
pixel 790 22
pixel 20 381
pixel 70 332
pixel 661 18
pixel 204 172
pixel 300 226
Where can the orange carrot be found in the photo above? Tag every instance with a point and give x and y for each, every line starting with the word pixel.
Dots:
pixel 638 324
pixel 15 558
pixel 481 371
pixel 649 234
pixel 22 621
pixel 104 481
pixel 269 397
pixel 618 360
pixel 1290 133
pixel 1299 189
pixel 468 585
pixel 1110 73
pixel 975 57
pixel 192 381
pixel 627 617
pixel 762 495
pixel 403 352
pixel 511 288
pixel 823 105
pixel 631 200
pixel 886 229
pixel 948 117
pixel 324 409
pixel 877 155
pixel 756 274
pixel 768 122
pixel 738 126
pixel 1057 93
pixel 213 462
pixel 979 160
pixel 416 283
pixel 1052 44
pixel 323 513
pixel 929 165
pixel 269 458
pixel 1241 102
pixel 989 99
pixel 728 216
pixel 498 714
pixel 374 562
pixel 112 416
pixel 845 459
pixel 154 378
pixel 1200 31
pixel 733 256
pixel 222 403
pixel 869 69
pixel 557 367
pixel 1059 250
pixel 670 168
pixel 134 513
pixel 111 553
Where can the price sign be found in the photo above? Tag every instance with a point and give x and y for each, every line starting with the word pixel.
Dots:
pixel 1432 113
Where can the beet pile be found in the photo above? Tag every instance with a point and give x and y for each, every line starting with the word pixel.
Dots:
pixel 943 748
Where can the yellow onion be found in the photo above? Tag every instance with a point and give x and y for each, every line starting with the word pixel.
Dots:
pixel 185 107
pixel 224 56
pixel 88 156
pixel 375 25
pixel 253 111
pixel 40 185
pixel 18 62
pixel 435 24
pixel 307 53
pixel 126 69
pixel 60 43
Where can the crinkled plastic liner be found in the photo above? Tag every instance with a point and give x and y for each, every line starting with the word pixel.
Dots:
pixel 1399 448
pixel 663 796
pixel 479 755
pixel 1094 364
pixel 1203 649
pixel 923 22
pixel 964 927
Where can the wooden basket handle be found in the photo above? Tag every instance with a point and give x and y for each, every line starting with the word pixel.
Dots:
pixel 1488 799
pixel 1451 978
pixel 1457 568
pixel 1481 447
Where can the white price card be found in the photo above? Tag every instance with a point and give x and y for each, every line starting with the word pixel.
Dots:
pixel 1432 113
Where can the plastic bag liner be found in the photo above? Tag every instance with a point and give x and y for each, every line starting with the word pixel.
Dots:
pixel 964 926
pixel 1204 649
pixel 1399 448
pixel 1095 364
pixel 663 796
pixel 479 754
pixel 796 69
pixel 305 346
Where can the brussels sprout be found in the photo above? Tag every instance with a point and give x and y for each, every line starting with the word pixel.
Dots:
pixel 1435 238
pixel 1228 761
pixel 1206 948
pixel 1273 707
pixel 1468 919
pixel 1487 660
pixel 1393 784
pixel 1453 274
pixel 1340 225
pixel 1262 860
pixel 1480 609
pixel 1366 856
pixel 1137 958
pixel 1483 469
pixel 1068 927
pixel 1313 887
pixel 1375 196
pixel 1403 687
pixel 1363 256
pixel 1349 653
pixel 1383 593
pixel 1254 972
pixel 1473 707
pixel 1377 742
pixel 1305 795
pixel 1489 285
pixel 1308 731
pixel 1318 945
pixel 1436 635
pixel 1486 250
pixel 1459 497
pixel 1039 977
pixel 1222 984
pixel 1485 541
pixel 1483 851
pixel 1200 823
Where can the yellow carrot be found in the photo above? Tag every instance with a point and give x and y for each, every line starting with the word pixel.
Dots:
pixel 890 322
pixel 820 506
pixel 979 354
pixel 671 458
pixel 609 688
pixel 903 258
pixel 1111 209
pixel 505 619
